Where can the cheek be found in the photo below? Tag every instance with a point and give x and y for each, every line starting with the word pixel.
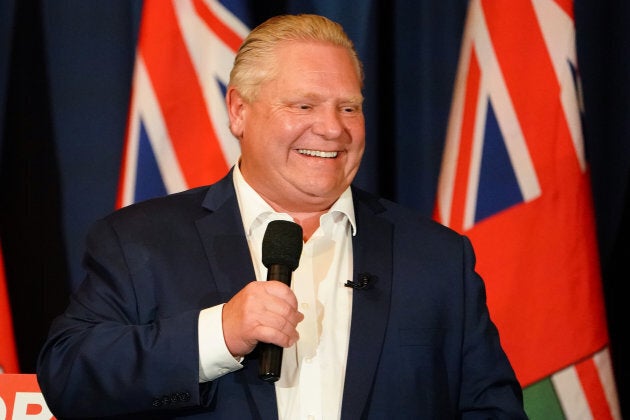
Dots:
pixel 286 128
pixel 358 137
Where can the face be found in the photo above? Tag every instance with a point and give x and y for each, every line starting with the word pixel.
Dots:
pixel 303 136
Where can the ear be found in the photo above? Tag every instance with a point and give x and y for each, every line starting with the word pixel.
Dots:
pixel 236 111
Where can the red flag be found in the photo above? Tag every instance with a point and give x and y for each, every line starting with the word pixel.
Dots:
pixel 8 352
pixel 177 135
pixel 514 178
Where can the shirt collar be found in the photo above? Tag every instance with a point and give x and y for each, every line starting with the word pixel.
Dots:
pixel 256 211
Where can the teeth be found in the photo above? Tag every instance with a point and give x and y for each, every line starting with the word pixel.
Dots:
pixel 318 153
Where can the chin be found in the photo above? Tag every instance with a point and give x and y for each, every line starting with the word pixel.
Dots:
pixel 327 192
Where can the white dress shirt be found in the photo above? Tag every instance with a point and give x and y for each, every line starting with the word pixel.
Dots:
pixel 313 370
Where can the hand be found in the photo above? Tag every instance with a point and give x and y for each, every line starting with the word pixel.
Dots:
pixel 262 311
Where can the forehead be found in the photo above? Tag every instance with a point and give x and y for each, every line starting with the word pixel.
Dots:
pixel 314 56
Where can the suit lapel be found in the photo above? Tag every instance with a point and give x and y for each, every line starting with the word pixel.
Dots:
pixel 224 240
pixel 226 248
pixel 372 256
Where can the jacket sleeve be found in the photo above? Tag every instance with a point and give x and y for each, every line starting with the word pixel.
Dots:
pixel 115 340
pixel 489 388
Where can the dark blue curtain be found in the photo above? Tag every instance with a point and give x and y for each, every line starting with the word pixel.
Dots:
pixel 65 75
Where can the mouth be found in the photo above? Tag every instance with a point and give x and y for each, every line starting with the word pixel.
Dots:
pixel 318 153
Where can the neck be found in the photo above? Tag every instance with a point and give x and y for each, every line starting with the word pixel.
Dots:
pixel 308 221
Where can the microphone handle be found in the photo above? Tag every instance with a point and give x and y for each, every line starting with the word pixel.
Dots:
pixel 270 361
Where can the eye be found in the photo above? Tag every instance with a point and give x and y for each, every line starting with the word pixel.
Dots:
pixel 350 109
pixel 304 107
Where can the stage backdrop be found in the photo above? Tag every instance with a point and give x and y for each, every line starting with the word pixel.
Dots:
pixel 65 78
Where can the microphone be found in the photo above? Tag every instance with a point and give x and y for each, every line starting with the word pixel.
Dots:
pixel 364 281
pixel 281 250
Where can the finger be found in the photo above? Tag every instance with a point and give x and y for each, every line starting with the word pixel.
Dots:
pixel 281 321
pixel 282 338
pixel 281 291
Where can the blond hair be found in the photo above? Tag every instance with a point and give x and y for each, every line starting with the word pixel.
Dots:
pixel 255 59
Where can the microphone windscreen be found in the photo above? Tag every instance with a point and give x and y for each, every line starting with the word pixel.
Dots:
pixel 282 244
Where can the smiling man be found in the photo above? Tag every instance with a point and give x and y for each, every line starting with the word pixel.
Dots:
pixel 385 315
pixel 302 134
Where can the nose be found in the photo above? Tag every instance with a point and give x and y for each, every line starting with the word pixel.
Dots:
pixel 328 123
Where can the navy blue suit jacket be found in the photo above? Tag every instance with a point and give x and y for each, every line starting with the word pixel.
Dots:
pixel 422 345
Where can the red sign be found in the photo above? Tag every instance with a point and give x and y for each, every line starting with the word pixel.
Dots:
pixel 21 398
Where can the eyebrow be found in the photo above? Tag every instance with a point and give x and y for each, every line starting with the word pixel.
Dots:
pixel 317 96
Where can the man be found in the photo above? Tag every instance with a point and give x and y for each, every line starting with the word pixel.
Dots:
pixel 168 320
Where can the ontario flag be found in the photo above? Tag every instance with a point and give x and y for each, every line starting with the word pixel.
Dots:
pixel 177 131
pixel 8 351
pixel 515 179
